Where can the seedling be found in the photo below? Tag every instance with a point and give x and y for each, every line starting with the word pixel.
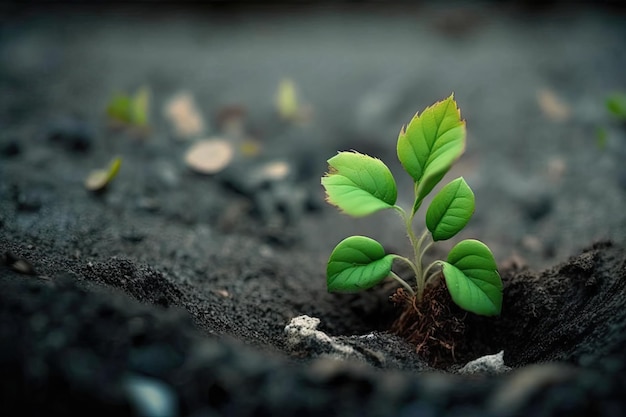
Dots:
pixel 289 106
pixel 360 185
pixel 616 105
pixel 130 111
pixel 287 100
pixel 99 179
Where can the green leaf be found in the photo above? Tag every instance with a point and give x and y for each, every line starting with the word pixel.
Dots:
pixel 430 144
pixel 450 210
pixel 616 104
pixel 130 110
pixel 359 184
pixel 601 137
pixel 472 278
pixel 140 105
pixel 119 108
pixel 98 179
pixel 357 263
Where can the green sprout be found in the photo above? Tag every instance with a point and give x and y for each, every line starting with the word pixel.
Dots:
pixel 99 179
pixel 616 105
pixel 360 185
pixel 130 110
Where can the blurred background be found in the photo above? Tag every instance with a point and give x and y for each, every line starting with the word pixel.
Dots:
pixel 274 90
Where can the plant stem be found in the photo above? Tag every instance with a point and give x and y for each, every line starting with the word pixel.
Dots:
pixel 431 276
pixel 428 245
pixel 417 253
pixel 428 268
pixel 420 247
pixel 408 262
pixel 402 282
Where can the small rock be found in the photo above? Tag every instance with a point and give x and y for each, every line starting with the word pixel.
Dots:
pixel 488 364
pixel 537 206
pixel 276 196
pixel 29 201
pixel 522 385
pixel 166 173
pixel 231 121
pixel 532 243
pixel 557 166
pixel 418 408
pixel 133 236
pixel 73 134
pixel 273 171
pixel 156 360
pixel 148 204
pixel 18 264
pixel 302 334
pixel 151 397
pixel 10 148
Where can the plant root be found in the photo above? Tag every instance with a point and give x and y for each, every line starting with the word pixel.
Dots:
pixel 435 325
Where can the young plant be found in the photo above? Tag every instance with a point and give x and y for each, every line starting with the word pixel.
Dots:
pixel 99 179
pixel 130 111
pixel 616 105
pixel 360 185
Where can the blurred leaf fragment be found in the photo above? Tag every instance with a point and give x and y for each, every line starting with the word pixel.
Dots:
pixel 209 156
pixel 287 100
pixel 616 105
pixel 130 110
pixel 553 106
pixel 184 115
pixel 98 179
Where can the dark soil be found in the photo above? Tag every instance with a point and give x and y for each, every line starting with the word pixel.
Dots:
pixel 169 294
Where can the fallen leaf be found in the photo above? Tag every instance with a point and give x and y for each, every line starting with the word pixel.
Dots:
pixel 274 171
pixel 209 156
pixel 183 113
pixel 98 179
pixel 552 106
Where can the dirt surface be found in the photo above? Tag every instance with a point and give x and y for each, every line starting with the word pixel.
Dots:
pixel 175 294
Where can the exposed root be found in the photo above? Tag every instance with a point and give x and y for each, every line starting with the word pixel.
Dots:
pixel 435 325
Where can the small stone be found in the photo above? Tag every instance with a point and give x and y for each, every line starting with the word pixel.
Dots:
pixel 73 134
pixel 532 243
pixel 166 173
pixel 18 264
pixel 133 236
pixel 156 360
pixel 149 204
pixel 537 207
pixel 556 169
pixel 96 180
pixel 488 364
pixel 302 334
pixel 522 385
pixel 223 293
pixel 231 121
pixel 274 171
pixel 151 397
pixel 209 156
pixel 29 201
pixel 10 148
